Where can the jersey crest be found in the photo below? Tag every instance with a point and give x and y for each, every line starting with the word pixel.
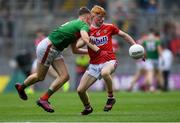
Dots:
pixel 105 31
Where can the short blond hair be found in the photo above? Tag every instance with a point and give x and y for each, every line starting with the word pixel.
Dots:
pixel 98 10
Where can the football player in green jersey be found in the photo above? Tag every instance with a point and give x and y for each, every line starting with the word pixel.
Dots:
pixel 153 51
pixel 49 53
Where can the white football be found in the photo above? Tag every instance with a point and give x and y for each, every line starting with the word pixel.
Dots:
pixel 136 51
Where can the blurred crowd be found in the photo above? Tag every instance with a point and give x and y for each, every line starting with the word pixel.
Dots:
pixel 133 17
pixel 137 17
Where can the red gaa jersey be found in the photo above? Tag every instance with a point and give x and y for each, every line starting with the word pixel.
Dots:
pixel 102 37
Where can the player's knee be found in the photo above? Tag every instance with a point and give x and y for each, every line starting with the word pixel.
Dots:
pixel 105 73
pixel 65 77
pixel 80 90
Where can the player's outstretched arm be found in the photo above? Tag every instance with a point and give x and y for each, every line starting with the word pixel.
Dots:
pixel 126 37
pixel 80 43
pixel 86 39
pixel 77 50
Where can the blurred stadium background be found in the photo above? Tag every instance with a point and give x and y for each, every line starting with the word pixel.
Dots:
pixel 20 19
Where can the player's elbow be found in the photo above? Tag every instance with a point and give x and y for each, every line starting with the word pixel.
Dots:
pixel 80 43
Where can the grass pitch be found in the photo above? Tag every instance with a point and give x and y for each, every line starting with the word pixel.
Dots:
pixel 136 107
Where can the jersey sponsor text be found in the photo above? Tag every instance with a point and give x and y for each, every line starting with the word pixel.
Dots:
pixel 98 41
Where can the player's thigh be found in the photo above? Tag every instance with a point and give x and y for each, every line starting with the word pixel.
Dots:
pixel 150 74
pixel 52 72
pixel 143 71
pixel 60 67
pixel 86 81
pixel 108 68
pixel 149 65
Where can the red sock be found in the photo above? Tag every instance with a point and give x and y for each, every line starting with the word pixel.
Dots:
pixel 47 95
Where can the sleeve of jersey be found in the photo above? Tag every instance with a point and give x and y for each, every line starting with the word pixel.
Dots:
pixel 85 27
pixel 158 42
pixel 115 29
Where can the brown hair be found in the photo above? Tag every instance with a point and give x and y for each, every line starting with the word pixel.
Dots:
pixel 83 10
pixel 98 10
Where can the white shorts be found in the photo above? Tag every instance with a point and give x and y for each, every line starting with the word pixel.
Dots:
pixel 141 65
pixel 46 54
pixel 95 69
pixel 151 64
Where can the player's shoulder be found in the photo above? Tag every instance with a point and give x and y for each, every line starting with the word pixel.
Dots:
pixel 78 21
pixel 108 24
pixel 92 27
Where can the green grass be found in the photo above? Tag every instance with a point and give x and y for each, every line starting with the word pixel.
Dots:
pixel 137 107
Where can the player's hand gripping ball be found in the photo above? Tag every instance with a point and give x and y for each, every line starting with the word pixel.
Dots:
pixel 136 51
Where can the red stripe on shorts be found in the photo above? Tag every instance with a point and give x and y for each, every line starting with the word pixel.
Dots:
pixel 46 54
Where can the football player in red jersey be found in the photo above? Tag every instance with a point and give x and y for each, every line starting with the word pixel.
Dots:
pixel 100 65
